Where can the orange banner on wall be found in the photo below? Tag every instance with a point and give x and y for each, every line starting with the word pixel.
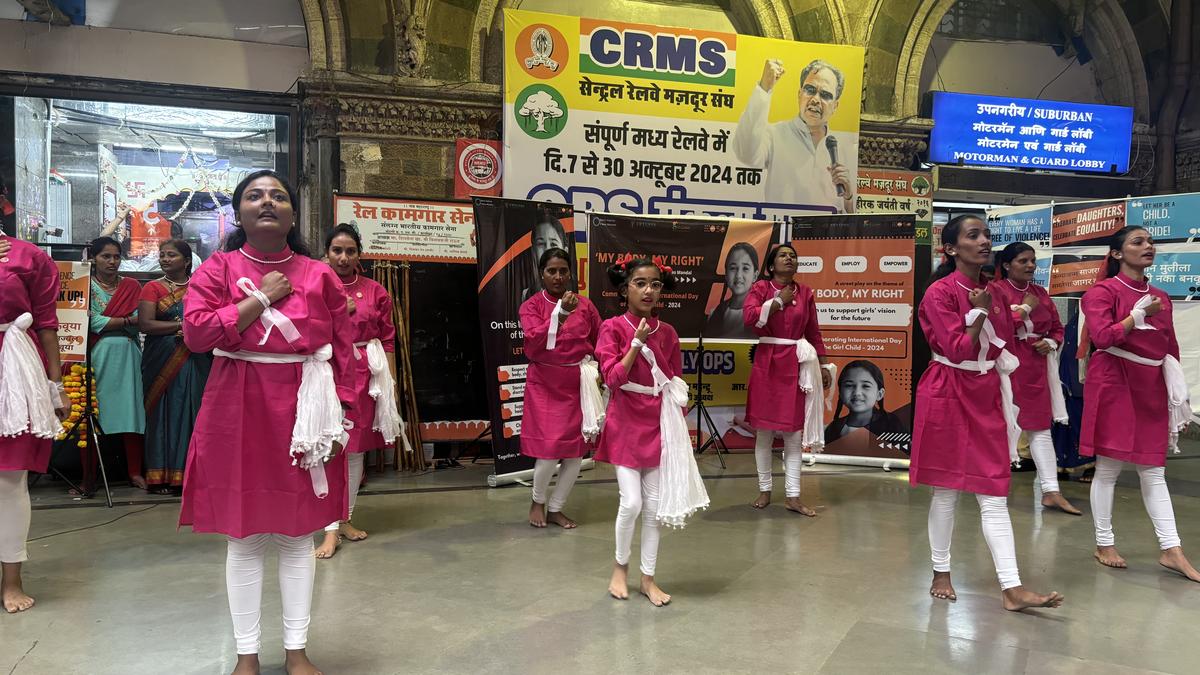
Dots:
pixel 73 294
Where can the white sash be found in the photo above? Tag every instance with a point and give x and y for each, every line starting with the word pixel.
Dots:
pixel 27 398
pixel 591 401
pixel 319 420
pixel 270 317
pixel 388 421
pixel 1004 364
pixel 1058 403
pixel 813 438
pixel 1179 407
pixel 681 490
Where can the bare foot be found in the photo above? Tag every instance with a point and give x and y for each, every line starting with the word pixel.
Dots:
pixel 351 532
pixel 1174 560
pixel 296 663
pixel 560 520
pixel 652 592
pixel 941 587
pixel 537 514
pixel 1108 556
pixel 1019 598
pixel 138 482
pixel 1056 500
pixel 11 592
pixel 793 504
pixel 764 498
pixel 247 664
pixel 328 548
pixel 618 586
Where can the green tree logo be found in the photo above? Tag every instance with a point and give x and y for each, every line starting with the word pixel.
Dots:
pixel 541 111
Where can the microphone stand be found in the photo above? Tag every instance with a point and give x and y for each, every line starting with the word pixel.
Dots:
pixel 714 437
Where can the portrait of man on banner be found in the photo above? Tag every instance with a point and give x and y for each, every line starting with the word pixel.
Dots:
pixel 804 162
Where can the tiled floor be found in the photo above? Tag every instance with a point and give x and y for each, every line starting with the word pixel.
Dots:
pixel 453 580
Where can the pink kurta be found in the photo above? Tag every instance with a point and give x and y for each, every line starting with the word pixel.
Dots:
pixel 372 319
pixel 960 440
pixel 239 479
pixel 1125 413
pixel 551 424
pixel 28 283
pixel 1031 389
pixel 774 400
pixel 631 434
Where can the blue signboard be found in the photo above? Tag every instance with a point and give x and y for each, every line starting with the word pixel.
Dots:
pixel 1029 134
pixel 1030 224
pixel 1169 218
pixel 1177 273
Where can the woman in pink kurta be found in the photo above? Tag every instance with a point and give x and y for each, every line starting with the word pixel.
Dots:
pixel 274 320
pixel 560 330
pixel 1035 341
pixel 32 400
pixel 632 440
pixel 783 313
pixel 963 436
pixel 370 322
pixel 1126 408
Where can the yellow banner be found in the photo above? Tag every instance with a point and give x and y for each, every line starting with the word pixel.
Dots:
pixel 637 118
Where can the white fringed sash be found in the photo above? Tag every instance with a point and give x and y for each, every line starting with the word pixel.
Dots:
pixel 319 419
pixel 27 398
pixel 1004 364
pixel 681 490
pixel 1179 407
pixel 1058 403
pixel 388 421
pixel 813 438
pixel 591 400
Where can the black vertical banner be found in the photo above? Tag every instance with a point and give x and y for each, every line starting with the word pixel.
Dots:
pixel 510 237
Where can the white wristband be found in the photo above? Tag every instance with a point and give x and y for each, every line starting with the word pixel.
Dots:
pixel 636 344
pixel 261 297
pixel 1027 308
pixel 1139 316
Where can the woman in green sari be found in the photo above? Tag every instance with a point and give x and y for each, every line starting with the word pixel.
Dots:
pixel 174 377
pixel 116 358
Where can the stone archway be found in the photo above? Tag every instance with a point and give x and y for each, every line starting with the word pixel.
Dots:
pixel 1109 36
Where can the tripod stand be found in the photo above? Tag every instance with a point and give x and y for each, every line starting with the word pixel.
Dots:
pixel 702 416
pixel 92 419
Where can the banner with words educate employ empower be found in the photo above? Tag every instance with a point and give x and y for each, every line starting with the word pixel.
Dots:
pixel 633 118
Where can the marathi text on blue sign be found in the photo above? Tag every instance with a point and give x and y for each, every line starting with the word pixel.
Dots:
pixel 1031 134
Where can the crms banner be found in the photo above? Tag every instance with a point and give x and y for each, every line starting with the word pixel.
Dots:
pixel 635 118
pixel 511 236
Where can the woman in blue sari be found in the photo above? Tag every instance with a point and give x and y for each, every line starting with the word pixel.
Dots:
pixel 173 377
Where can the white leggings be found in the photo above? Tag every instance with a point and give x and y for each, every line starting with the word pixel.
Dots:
pixel 14 516
pixel 244 582
pixel 1154 495
pixel 543 470
pixel 639 494
pixel 1041 446
pixel 793 457
pixel 997 530
pixel 355 460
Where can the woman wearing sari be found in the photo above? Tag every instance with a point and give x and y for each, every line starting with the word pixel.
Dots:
pixel 116 358
pixel 173 376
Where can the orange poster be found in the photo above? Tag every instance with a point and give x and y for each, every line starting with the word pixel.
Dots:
pixel 861 271
pixel 73 295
